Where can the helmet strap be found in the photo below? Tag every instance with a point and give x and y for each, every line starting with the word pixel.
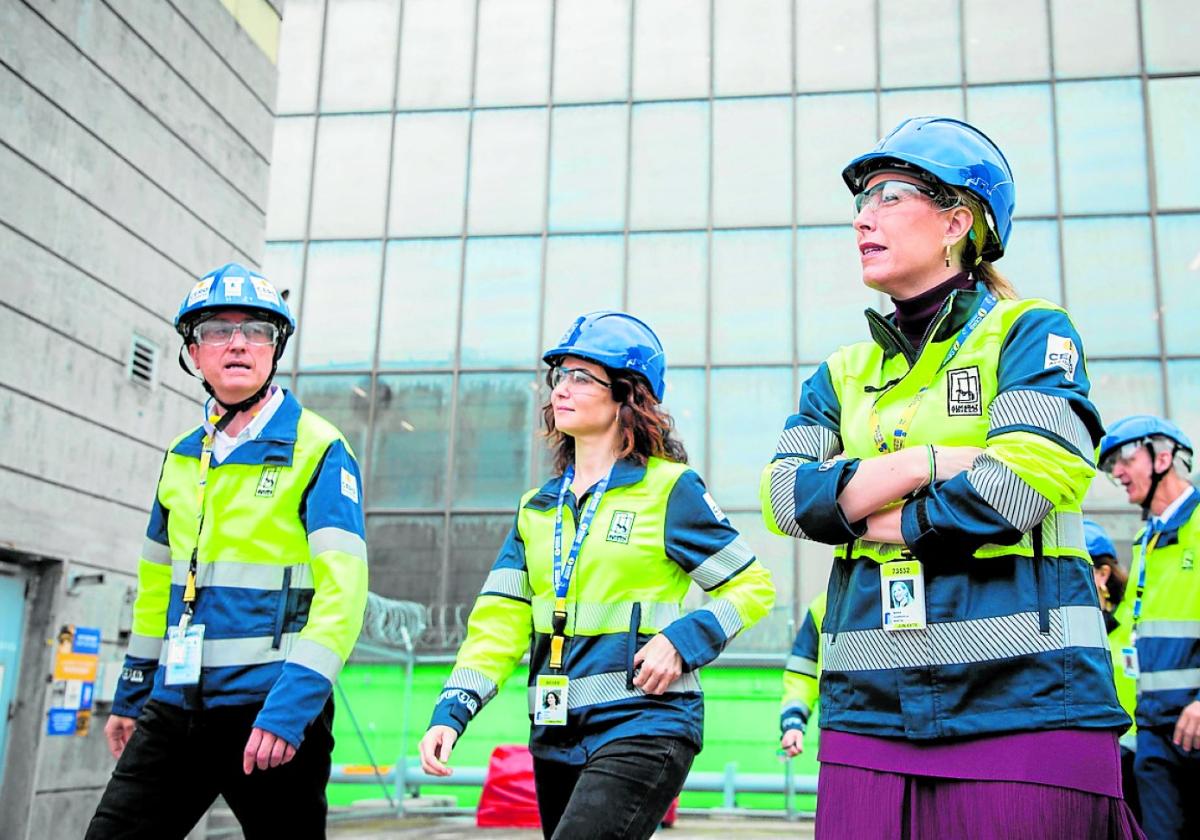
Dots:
pixel 232 409
pixel 1155 477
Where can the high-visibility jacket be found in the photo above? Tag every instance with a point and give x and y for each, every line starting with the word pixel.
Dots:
pixel 1168 630
pixel 655 532
pixel 802 674
pixel 281 574
pixel 1119 622
pixel 1015 639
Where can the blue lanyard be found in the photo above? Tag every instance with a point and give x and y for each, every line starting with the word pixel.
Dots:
pixel 1147 545
pixel 563 571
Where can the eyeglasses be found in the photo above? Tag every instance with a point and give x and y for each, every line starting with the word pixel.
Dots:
pixel 217 333
pixel 1123 454
pixel 577 376
pixel 887 195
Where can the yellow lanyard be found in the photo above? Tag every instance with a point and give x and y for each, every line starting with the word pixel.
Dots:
pixel 189 589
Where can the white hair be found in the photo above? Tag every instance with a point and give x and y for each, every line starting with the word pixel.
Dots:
pixel 1181 463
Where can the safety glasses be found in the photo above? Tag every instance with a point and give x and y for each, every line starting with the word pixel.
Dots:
pixel 216 332
pixel 887 195
pixel 1123 454
pixel 576 376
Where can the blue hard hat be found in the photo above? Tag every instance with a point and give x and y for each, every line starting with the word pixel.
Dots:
pixel 951 152
pixel 1140 427
pixel 233 286
pixel 618 341
pixel 1098 543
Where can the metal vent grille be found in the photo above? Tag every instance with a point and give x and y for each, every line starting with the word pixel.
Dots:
pixel 143 362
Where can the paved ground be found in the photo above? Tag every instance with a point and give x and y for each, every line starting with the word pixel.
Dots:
pixel 453 828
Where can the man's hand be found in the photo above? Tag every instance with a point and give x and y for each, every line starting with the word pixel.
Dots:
pixel 117 732
pixel 1187 728
pixel 659 663
pixel 265 749
pixel 435 750
pixel 792 742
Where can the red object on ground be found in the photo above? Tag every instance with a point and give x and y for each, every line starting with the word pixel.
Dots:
pixel 668 819
pixel 509 799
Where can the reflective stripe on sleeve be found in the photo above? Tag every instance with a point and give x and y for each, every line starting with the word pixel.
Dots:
pixel 316 657
pixel 156 552
pixel 511 583
pixel 337 539
pixel 727 616
pixel 145 647
pixel 472 680
pixel 801 665
pixel 1051 414
pixel 815 443
pixel 1008 494
pixel 723 565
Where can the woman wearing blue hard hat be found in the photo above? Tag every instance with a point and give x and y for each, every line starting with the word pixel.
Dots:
pixel 590 583
pixel 951 450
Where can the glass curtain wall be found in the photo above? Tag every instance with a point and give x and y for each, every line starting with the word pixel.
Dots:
pixel 454 180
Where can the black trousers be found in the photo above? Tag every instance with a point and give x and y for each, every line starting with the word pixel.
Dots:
pixel 177 762
pixel 622 792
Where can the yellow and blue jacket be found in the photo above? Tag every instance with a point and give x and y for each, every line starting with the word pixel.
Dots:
pixel 1015 640
pixel 802 674
pixel 655 532
pixel 1118 623
pixel 281 579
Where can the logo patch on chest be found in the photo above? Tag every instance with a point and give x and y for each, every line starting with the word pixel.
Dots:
pixel 267 482
pixel 963 398
pixel 621 526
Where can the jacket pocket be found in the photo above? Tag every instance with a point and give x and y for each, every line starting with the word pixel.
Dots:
pixel 631 644
pixel 281 608
pixel 1043 579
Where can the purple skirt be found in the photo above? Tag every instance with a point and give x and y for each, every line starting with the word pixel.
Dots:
pixel 859 804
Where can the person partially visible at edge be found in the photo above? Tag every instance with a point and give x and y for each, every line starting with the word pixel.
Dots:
pixel 801 678
pixel 594 572
pixel 1151 458
pixel 1111 579
pixel 953 448
pixel 251 588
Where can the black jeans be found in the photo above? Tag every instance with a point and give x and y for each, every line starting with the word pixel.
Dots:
pixel 622 792
pixel 177 762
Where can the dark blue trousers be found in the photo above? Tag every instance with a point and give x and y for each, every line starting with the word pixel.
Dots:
pixel 1168 781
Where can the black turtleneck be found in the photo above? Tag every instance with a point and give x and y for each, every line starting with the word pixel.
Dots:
pixel 913 315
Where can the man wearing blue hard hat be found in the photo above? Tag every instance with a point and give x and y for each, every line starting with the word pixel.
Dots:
pixel 1151 458
pixel 251 587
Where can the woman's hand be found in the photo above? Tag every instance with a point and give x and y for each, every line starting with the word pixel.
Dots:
pixel 657 665
pixel 792 742
pixel 435 750
pixel 952 460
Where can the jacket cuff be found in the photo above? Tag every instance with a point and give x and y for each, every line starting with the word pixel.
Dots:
pixel 134 686
pixel 295 700
pixel 817 510
pixel 698 638
pixel 455 708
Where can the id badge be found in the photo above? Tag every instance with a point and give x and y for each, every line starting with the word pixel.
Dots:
pixel 902 595
pixel 183 655
pixel 1129 662
pixel 550 698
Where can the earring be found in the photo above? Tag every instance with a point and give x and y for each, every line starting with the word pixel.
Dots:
pixel 947 256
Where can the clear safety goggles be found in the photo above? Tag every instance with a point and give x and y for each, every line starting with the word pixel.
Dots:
pixel 1122 454
pixel 217 333
pixel 576 376
pixel 887 195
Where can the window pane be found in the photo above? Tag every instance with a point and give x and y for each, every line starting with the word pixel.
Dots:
pixel 299 51
pixel 1019 119
pixel 283 265
pixel 474 541
pixel 918 42
pixel 508 171
pixel 752 167
pixel 829 45
pixel 420 335
pixel 670 57
pixel 670 166
pixel 749 406
pixel 752 282
pixel 1118 390
pixel 684 401
pixel 341 291
pixel 491 445
pixel 1171 30
pixel 1102 146
pixel 753 51
pixel 1183 381
pixel 1175 115
pixel 429 173
pixel 587 168
pixel 591 50
pixel 775 632
pixel 412 431
pixel 897 106
pixel 360 55
pixel 1006 40
pixel 350 185
pixel 345 401
pixel 500 302
pixel 291 173
pixel 406 557
pixel 1111 23
pixel 1094 249
pixel 583 274
pixel 832 295
pixel 513 62
pixel 830 132
pixel 1178 270
pixel 668 289
pixel 435 53
pixel 1031 260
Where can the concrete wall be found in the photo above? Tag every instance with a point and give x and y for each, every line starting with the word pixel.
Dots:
pixel 134 157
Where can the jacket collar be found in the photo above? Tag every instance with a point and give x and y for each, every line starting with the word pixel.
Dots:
pixel 1169 530
pixel 274 445
pixel 960 305
pixel 624 473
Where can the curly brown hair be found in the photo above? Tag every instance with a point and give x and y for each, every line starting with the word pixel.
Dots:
pixel 644 429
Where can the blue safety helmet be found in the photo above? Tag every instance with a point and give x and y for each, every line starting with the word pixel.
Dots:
pixel 618 341
pixel 233 286
pixel 1140 428
pixel 942 150
pixel 1098 543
